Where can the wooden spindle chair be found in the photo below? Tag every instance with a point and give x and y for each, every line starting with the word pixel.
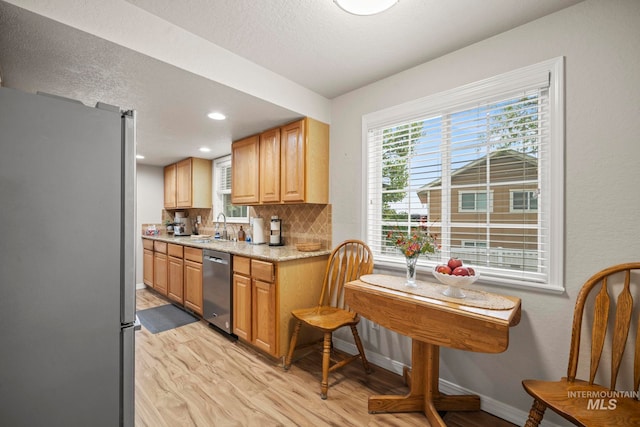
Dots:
pixel 570 397
pixel 347 262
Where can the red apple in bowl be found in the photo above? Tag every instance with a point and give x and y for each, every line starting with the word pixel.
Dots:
pixel 460 271
pixel 472 272
pixel 444 269
pixel 454 263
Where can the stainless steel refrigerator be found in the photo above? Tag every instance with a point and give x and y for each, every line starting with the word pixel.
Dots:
pixel 67 262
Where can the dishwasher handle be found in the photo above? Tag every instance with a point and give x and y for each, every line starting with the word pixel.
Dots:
pixel 216 259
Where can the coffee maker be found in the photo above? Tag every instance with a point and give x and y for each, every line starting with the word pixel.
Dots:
pixel 181 225
pixel 275 234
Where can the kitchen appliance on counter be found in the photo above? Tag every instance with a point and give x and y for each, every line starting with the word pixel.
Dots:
pixel 275 232
pixel 181 226
pixel 67 311
pixel 217 290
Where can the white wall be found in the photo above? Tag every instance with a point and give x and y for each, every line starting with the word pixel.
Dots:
pixel 150 202
pixel 600 42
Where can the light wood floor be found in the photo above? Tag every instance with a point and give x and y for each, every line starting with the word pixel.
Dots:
pixel 194 376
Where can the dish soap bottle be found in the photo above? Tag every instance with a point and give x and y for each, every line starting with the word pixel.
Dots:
pixel 241 235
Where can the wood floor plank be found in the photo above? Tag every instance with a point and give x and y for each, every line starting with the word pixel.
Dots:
pixel 194 376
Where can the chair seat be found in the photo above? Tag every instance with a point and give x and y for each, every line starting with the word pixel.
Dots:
pixel 588 405
pixel 326 318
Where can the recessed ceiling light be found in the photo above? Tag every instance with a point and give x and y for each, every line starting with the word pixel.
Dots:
pixel 216 116
pixel 139 156
pixel 365 7
pixel 205 149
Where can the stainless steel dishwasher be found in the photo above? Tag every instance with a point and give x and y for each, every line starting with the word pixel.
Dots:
pixel 216 290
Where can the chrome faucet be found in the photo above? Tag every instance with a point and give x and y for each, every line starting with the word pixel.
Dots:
pixel 224 227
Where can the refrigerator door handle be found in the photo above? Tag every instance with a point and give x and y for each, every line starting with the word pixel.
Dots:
pixel 128 219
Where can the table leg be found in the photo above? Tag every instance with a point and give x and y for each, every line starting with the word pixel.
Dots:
pixel 424 394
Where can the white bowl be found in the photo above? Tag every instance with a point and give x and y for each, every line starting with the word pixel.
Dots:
pixel 451 280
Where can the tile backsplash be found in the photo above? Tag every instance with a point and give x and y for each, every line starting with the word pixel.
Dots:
pixel 300 223
pixel 304 223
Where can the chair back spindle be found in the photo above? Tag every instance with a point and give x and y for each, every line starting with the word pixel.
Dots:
pixel 347 262
pixel 622 325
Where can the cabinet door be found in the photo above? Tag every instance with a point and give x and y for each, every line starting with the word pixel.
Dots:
pixel 147 267
pixel 193 286
pixel 183 184
pixel 292 164
pixel 242 306
pixel 160 272
pixel 175 279
pixel 270 166
pixel 264 315
pixel 170 186
pixel 245 164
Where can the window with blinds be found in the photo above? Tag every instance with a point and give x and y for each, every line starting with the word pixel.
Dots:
pixel 479 168
pixel 222 192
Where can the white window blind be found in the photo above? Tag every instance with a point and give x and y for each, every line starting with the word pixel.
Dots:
pixel 222 192
pixel 472 165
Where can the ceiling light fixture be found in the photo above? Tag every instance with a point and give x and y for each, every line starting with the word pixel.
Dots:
pixel 365 7
pixel 205 149
pixel 216 116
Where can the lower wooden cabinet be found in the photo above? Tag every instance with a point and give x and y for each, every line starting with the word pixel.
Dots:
pixel 254 302
pixel 193 279
pixel 174 271
pixel 264 293
pixel 160 267
pixel 242 306
pixel 263 311
pixel 175 275
pixel 147 262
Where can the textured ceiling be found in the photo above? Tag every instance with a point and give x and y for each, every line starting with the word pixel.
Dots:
pixel 38 54
pixel 312 43
pixel 318 45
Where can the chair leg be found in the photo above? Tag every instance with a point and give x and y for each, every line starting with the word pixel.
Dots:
pixel 356 338
pixel 326 360
pixel 292 345
pixel 535 414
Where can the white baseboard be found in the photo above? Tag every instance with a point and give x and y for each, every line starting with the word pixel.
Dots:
pixel 487 404
pixel 140 286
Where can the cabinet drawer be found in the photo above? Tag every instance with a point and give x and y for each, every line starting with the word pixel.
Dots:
pixel 175 250
pixel 242 265
pixel 193 254
pixel 147 244
pixel 160 247
pixel 262 270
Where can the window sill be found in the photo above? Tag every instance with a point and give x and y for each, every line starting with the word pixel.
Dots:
pixel 424 273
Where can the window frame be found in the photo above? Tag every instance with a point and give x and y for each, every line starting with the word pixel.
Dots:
pixel 552 172
pixel 531 194
pixel 489 201
pixel 218 200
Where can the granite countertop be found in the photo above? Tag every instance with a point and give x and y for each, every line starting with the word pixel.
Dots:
pixel 264 251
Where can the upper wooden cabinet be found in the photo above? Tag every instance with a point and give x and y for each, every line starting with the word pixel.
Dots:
pixel 270 166
pixel 187 184
pixel 292 165
pixel 170 186
pixel 245 164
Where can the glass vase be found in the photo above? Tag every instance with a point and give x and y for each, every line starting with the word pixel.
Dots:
pixel 411 271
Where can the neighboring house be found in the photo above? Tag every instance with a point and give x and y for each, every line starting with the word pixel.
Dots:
pixel 493 209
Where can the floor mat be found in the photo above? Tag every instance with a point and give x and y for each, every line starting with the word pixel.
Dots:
pixel 164 317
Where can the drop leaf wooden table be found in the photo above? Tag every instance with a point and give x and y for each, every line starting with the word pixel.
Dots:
pixel 431 322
